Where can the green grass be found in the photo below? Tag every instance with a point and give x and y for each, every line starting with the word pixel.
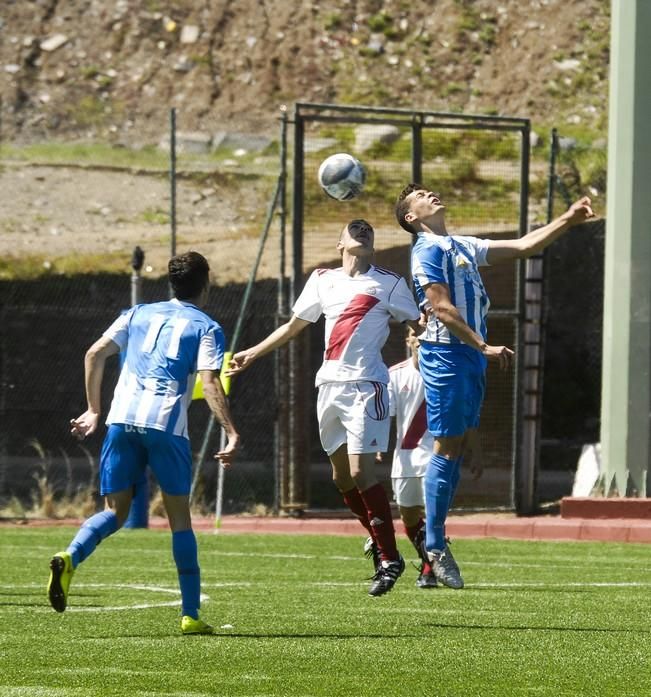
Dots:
pixel 293 618
pixel 31 266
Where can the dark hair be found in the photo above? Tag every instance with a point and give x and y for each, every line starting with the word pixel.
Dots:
pixel 402 207
pixel 188 274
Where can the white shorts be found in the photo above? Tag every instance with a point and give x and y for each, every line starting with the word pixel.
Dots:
pixel 409 491
pixel 356 413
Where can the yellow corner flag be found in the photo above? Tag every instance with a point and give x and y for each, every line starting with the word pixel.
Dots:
pixel 197 392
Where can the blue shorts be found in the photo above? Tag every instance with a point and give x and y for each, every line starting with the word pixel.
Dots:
pixel 455 382
pixel 128 450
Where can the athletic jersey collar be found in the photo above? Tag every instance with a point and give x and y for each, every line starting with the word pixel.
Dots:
pixel 183 303
pixel 445 241
pixel 364 274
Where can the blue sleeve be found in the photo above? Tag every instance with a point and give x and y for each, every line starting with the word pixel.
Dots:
pixel 429 265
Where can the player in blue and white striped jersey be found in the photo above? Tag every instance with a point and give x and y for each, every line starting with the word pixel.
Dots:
pixel 164 345
pixel 453 349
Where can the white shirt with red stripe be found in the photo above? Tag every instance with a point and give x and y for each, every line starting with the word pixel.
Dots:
pixel 357 311
pixel 414 443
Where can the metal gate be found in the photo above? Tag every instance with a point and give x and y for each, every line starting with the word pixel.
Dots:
pixel 480 164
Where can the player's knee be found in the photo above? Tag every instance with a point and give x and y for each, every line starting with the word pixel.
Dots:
pixel 343 481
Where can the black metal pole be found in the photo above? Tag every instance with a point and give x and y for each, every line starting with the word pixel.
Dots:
pixel 173 181
pixel 523 475
pixel 551 179
pixel 281 368
pixel 296 278
pixel 417 150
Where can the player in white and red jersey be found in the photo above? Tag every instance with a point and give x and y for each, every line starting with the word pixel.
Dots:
pixel 358 300
pixel 414 447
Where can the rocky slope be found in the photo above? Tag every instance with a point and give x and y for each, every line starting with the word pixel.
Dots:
pixel 92 68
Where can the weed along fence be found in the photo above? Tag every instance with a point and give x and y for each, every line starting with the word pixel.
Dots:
pixel 252 205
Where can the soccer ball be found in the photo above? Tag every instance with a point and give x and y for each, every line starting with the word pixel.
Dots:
pixel 342 176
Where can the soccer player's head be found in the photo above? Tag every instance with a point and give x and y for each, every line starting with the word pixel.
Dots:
pixel 412 341
pixel 416 203
pixel 357 238
pixel 189 275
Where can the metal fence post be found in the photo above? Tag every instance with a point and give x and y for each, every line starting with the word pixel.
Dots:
pixel 139 512
pixel 525 444
pixel 281 366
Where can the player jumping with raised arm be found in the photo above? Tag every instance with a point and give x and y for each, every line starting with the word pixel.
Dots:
pixel 454 349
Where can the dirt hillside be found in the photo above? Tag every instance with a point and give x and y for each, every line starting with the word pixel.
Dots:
pixel 108 72
pixel 112 69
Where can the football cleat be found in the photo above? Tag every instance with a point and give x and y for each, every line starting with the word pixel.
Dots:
pixel 387 574
pixel 426 577
pixel 445 569
pixel 448 553
pixel 61 572
pixel 371 551
pixel 191 626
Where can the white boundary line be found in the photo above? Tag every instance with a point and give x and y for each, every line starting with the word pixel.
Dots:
pixel 110 608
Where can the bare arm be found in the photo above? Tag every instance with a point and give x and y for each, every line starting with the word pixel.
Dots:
pixel 445 311
pixel 536 240
pixel 213 393
pixel 94 363
pixel 243 359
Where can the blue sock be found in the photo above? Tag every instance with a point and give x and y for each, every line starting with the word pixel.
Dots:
pixel 90 534
pixel 454 483
pixel 184 549
pixel 454 480
pixel 438 492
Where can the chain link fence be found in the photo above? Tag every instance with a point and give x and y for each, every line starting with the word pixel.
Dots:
pixel 72 217
pixel 75 212
pixel 572 317
pixel 480 168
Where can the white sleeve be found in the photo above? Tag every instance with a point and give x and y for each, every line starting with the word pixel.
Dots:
pixel 119 330
pixel 481 250
pixel 211 351
pixel 308 304
pixel 402 305
pixel 392 394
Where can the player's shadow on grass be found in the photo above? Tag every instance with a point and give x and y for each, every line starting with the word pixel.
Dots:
pixel 535 589
pixel 37 599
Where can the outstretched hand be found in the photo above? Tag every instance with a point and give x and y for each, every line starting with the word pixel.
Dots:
pixel 84 425
pixel 580 211
pixel 239 362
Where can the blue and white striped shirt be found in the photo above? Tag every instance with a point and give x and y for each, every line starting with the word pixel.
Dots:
pixel 455 261
pixel 164 345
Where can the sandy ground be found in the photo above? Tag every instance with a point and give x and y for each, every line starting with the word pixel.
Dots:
pixel 54 212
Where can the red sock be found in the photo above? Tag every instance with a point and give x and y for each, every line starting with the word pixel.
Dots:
pixel 353 500
pixel 416 536
pixel 379 515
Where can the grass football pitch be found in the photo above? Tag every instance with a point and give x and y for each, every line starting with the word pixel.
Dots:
pixel 293 618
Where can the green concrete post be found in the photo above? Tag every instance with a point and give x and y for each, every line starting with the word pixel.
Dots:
pixel 626 381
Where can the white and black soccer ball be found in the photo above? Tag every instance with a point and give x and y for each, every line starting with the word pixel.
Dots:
pixel 342 176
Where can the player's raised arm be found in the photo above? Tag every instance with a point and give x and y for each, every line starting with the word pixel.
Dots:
pixel 536 240
pixel 280 336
